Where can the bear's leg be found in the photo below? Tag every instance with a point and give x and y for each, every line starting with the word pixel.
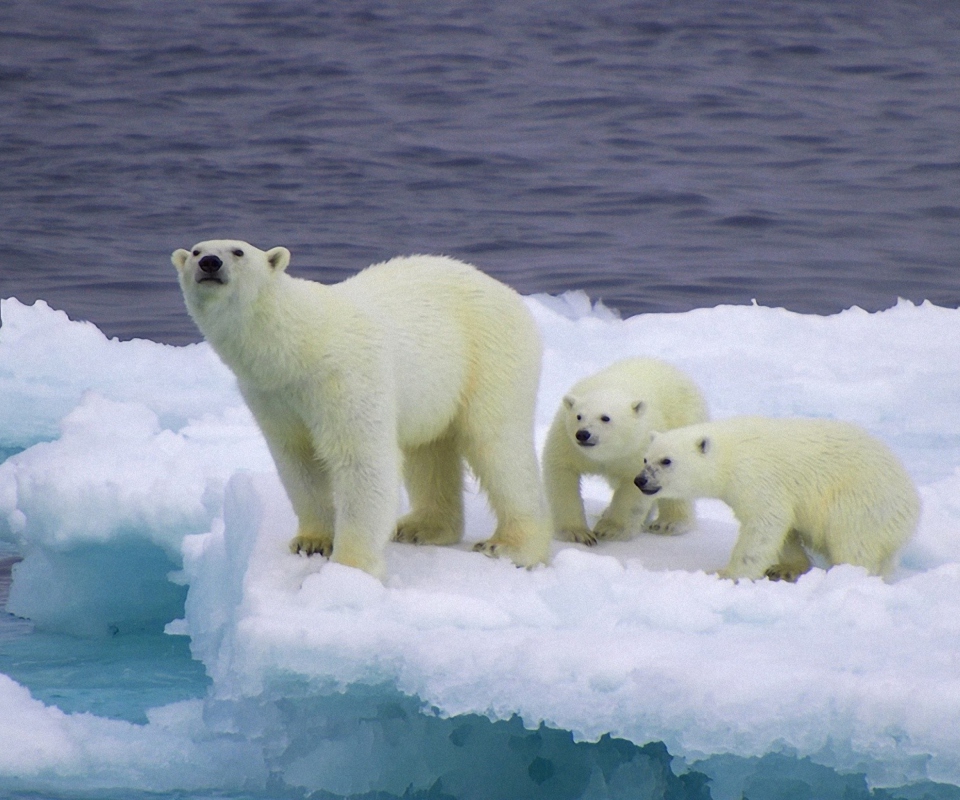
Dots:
pixel 758 545
pixel 434 479
pixel 792 562
pixel 845 543
pixel 303 476
pixel 366 490
pixel 506 466
pixel 627 502
pixel 673 517
pixel 308 486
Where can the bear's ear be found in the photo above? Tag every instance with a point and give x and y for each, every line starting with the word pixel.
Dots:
pixel 703 445
pixel 569 401
pixel 638 406
pixel 179 258
pixel 278 258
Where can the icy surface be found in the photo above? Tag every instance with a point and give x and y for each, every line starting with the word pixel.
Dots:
pixel 136 477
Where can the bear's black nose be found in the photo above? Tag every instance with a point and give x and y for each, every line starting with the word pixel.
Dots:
pixel 640 481
pixel 583 435
pixel 210 264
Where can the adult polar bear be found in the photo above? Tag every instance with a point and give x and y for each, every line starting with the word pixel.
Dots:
pixel 792 483
pixel 422 361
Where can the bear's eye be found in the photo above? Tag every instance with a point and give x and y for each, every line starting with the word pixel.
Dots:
pixel 604 418
pixel 579 417
pixel 238 253
pixel 196 252
pixel 665 462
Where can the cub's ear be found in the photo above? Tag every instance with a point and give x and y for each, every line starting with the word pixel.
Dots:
pixel 179 258
pixel 278 258
pixel 569 401
pixel 703 445
pixel 638 406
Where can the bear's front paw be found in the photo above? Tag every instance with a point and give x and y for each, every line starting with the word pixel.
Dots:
pixel 578 535
pixel 311 543
pixel 609 529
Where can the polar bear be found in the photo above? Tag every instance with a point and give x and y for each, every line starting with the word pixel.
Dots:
pixel 603 427
pixel 416 363
pixel 819 484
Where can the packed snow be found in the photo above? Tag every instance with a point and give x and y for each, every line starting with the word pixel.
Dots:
pixel 141 495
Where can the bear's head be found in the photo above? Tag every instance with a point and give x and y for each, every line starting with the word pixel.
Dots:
pixel 215 272
pixel 607 425
pixel 679 464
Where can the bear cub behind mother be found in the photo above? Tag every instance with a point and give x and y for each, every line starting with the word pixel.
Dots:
pixel 418 363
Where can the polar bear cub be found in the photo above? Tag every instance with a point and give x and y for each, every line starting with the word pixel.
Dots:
pixel 603 427
pixel 417 363
pixel 792 483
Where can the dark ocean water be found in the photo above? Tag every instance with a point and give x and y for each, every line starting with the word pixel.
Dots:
pixel 660 155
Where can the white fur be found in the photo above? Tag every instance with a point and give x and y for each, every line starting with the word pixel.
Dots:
pixel 619 407
pixel 822 484
pixel 416 363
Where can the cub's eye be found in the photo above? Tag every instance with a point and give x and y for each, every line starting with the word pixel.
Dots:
pixel 579 417
pixel 604 418
pixel 238 253
pixel 665 462
pixel 196 252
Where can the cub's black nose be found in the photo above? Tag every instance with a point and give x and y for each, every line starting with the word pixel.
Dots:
pixel 640 481
pixel 210 264
pixel 583 435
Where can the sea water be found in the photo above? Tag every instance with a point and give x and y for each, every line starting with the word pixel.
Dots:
pixel 660 156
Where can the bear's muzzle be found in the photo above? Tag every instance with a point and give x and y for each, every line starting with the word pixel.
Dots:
pixel 210 269
pixel 645 483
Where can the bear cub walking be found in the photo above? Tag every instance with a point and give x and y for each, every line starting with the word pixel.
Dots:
pixel 603 427
pixel 823 485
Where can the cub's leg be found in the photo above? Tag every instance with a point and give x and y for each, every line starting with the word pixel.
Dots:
pixel 561 483
pixel 759 544
pixel 626 504
pixel 792 562
pixel 434 478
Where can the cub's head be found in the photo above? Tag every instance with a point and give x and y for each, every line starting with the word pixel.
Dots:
pixel 213 271
pixel 679 464
pixel 606 425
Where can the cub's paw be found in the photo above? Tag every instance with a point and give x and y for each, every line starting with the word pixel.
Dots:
pixel 783 572
pixel 489 548
pixel 312 544
pixel 578 535
pixel 414 530
pixel 609 529
pixel 523 554
pixel 668 527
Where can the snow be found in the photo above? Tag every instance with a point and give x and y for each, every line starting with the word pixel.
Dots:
pixel 141 494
